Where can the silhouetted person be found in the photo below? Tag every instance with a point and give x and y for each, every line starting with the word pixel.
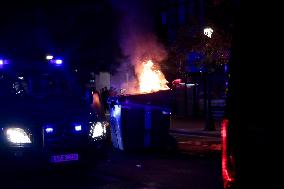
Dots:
pixel 105 95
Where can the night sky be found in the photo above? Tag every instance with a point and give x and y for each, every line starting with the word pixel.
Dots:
pixel 82 32
pixel 86 33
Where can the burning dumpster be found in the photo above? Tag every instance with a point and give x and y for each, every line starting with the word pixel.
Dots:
pixel 140 121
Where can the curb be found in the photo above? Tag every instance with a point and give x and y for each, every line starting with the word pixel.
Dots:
pixel 195 133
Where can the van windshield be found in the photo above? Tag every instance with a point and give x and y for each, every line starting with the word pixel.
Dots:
pixel 42 85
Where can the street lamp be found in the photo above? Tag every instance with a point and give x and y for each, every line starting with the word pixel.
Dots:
pixel 208 31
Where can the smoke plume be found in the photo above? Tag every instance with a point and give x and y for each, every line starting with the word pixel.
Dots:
pixel 138 41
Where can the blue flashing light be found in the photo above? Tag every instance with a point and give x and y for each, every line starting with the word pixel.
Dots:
pixel 49 129
pixel 58 61
pixel 226 68
pixel 78 128
pixel 117 111
pixel 3 62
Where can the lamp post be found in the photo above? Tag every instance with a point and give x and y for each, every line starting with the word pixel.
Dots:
pixel 209 122
pixel 208 31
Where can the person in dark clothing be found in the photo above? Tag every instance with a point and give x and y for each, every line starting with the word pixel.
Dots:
pixel 105 95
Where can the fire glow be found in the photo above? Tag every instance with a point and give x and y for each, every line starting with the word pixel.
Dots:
pixel 150 79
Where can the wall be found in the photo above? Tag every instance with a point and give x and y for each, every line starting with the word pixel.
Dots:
pixel 102 80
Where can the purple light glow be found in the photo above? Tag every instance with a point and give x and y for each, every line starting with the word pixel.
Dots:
pixel 1 62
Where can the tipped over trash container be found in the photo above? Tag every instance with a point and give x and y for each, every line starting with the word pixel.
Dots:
pixel 140 121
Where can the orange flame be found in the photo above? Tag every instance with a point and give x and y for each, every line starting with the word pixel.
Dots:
pixel 151 80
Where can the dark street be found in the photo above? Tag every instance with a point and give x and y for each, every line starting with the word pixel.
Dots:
pixel 132 170
pixel 194 164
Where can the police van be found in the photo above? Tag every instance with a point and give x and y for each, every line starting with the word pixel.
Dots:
pixel 46 119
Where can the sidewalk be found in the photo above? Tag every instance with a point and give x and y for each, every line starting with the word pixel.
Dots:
pixel 192 126
pixel 192 138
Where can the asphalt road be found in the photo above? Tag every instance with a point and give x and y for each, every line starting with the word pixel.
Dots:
pixel 123 170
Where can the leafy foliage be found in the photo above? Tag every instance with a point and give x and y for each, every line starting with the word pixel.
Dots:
pixel 210 52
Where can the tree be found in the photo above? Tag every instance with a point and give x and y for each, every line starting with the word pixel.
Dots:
pixel 209 54
pixel 212 51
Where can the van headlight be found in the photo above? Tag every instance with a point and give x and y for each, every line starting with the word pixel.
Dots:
pixel 97 130
pixel 18 136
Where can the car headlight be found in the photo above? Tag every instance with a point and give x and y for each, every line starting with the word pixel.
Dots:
pixel 18 136
pixel 98 130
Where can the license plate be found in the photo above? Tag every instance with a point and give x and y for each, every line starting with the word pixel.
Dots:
pixel 63 158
